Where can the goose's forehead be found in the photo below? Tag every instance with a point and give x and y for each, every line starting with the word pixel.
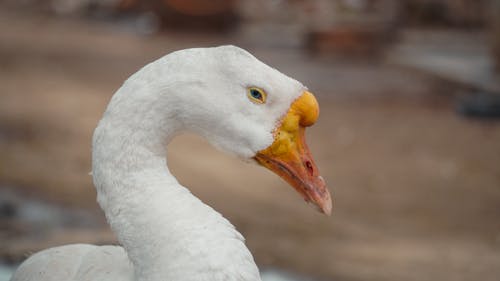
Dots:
pixel 230 65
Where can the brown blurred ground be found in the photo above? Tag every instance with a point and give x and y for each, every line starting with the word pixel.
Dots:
pixel 416 186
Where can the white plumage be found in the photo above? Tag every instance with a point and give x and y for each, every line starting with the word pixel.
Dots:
pixel 166 232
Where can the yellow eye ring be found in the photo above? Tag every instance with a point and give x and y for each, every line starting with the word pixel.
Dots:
pixel 256 95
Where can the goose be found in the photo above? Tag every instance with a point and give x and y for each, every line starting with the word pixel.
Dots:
pixel 242 107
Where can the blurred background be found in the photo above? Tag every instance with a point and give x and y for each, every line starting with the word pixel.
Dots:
pixel 408 138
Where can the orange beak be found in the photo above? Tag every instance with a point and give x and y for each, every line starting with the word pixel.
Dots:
pixel 290 158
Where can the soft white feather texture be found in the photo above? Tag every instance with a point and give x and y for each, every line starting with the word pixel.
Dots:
pixel 166 232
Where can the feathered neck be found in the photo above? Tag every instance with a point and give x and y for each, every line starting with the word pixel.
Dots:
pixel 167 232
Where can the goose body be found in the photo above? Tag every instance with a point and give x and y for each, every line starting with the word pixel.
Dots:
pixel 241 106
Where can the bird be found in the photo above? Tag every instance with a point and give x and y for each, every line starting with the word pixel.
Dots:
pixel 242 107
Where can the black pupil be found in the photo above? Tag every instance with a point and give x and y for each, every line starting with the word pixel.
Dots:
pixel 256 94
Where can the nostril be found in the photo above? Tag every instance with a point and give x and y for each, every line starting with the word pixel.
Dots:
pixel 309 167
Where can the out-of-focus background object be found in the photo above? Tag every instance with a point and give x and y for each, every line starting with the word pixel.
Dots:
pixel 408 138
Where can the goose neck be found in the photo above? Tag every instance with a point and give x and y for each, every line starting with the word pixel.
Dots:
pixel 167 232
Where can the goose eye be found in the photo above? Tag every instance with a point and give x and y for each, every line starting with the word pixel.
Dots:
pixel 257 95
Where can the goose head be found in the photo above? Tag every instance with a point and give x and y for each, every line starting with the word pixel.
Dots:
pixel 239 104
pixel 248 109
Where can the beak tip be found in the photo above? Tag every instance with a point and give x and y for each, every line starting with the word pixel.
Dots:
pixel 324 201
pixel 326 206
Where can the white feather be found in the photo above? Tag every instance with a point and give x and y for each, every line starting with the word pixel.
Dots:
pixel 166 232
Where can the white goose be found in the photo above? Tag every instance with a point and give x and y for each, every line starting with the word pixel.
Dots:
pixel 242 107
